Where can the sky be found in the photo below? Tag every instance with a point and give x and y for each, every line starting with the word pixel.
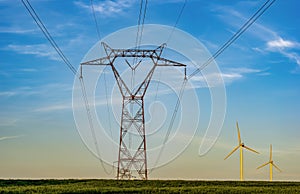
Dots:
pixel 261 72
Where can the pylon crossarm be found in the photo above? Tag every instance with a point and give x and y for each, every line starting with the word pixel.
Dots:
pixel 135 52
pixel 108 50
pixel 167 62
pixel 100 61
pixel 143 53
pixel 158 51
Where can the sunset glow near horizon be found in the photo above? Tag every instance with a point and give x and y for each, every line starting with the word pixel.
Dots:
pixel 261 71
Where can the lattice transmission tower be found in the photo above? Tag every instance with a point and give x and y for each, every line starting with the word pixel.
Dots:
pixel 132 160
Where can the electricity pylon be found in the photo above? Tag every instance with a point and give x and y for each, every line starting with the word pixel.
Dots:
pixel 133 160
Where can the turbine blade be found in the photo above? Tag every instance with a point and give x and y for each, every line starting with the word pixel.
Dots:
pixel 237 147
pixel 270 152
pixel 251 149
pixel 263 165
pixel 277 167
pixel 239 134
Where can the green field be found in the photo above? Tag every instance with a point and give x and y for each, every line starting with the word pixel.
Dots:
pixel 150 186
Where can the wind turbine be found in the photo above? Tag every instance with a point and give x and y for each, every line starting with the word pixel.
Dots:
pixel 271 164
pixel 241 146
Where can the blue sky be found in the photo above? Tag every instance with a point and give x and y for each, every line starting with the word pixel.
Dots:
pixel 261 70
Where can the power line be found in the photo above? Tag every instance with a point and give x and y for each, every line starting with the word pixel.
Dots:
pixel 177 20
pixel 91 125
pixel 40 24
pixel 171 123
pixel 95 19
pixel 46 33
pixel 179 97
pixel 103 72
pixel 250 21
pixel 256 15
pixel 138 34
pixel 143 22
pixel 158 82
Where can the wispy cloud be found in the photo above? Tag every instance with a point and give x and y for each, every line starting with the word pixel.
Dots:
pixel 39 50
pixel 28 70
pixel 281 44
pixel 40 90
pixel 21 91
pixel 79 104
pixel 285 47
pixel 56 107
pixel 8 93
pixel 108 8
pixel 17 30
pixel 229 75
pixel 273 41
pixel 10 137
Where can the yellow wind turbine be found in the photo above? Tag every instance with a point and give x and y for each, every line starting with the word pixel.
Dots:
pixel 271 165
pixel 241 146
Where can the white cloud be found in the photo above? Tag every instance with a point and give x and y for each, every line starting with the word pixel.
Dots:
pixel 17 31
pixel 10 137
pixel 8 93
pixel 108 8
pixel 286 48
pixel 280 43
pixel 229 75
pixel 40 50
pixel 21 91
pixel 233 74
pixel 244 70
pixel 28 70
pixel 292 56
pixel 40 90
pixel 57 107
pixel 274 42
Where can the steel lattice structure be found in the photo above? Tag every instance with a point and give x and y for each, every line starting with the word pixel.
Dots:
pixel 132 117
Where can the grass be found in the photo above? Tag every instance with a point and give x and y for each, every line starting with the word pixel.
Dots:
pixel 150 186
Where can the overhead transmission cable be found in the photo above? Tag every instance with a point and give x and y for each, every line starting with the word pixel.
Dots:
pixel 256 15
pixel 141 21
pixel 179 96
pixel 103 73
pixel 177 21
pixel 249 22
pixel 95 20
pixel 46 33
pixel 139 35
pixel 170 36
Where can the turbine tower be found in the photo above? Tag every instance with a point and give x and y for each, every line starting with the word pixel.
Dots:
pixel 132 157
pixel 271 162
pixel 241 146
